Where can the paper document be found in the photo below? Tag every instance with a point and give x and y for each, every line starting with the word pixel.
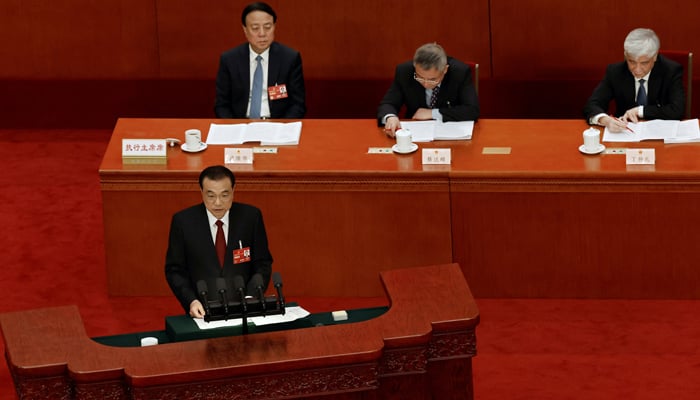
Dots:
pixel 427 131
pixel 670 131
pixel 291 314
pixel 267 133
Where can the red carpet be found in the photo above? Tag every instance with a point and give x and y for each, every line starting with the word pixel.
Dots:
pixel 527 349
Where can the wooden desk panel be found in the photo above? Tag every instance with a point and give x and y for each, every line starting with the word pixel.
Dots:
pixel 548 221
pixel 331 210
pixel 410 352
pixel 542 221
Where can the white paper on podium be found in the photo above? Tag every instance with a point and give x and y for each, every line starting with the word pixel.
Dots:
pixel 201 324
pixel 267 133
pixel 291 314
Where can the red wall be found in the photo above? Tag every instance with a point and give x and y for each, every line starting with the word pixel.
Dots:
pixel 88 62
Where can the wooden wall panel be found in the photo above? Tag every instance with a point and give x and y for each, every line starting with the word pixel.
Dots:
pixel 553 39
pixel 337 39
pixel 78 39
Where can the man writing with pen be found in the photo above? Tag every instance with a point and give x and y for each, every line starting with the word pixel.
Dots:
pixel 644 86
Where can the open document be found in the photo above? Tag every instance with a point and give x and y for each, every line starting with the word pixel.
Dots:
pixel 427 131
pixel 267 133
pixel 291 314
pixel 670 131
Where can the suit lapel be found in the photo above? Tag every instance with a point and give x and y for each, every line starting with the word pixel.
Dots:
pixel 244 69
pixel 654 84
pixel 273 66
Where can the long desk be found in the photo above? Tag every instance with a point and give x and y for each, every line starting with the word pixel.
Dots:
pixel 421 348
pixel 541 221
pixel 332 211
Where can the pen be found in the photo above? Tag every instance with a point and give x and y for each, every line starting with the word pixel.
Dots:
pixel 617 119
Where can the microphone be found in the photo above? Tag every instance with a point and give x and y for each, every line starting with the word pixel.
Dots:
pixel 203 291
pixel 277 281
pixel 257 282
pixel 221 288
pixel 239 286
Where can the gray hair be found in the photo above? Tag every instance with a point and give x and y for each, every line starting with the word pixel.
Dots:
pixel 642 42
pixel 429 56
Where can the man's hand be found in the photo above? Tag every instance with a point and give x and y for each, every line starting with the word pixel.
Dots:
pixel 391 126
pixel 423 114
pixel 196 309
pixel 631 115
pixel 613 124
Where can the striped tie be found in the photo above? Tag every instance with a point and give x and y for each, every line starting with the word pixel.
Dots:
pixel 434 96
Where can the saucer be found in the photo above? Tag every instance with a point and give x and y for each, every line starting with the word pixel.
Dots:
pixel 583 150
pixel 184 148
pixel 413 148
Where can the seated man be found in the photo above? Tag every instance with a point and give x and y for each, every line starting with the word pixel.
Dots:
pixel 645 86
pixel 216 238
pixel 432 86
pixel 262 78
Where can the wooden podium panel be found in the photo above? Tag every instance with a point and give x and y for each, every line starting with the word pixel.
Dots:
pixel 548 221
pixel 421 348
pixel 332 211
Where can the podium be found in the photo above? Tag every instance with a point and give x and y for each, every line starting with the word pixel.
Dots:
pixel 421 348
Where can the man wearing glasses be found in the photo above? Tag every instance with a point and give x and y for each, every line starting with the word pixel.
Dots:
pixel 432 86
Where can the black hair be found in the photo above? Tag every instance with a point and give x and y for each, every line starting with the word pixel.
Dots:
pixel 258 6
pixel 216 173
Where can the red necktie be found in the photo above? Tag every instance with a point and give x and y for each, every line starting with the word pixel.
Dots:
pixel 220 242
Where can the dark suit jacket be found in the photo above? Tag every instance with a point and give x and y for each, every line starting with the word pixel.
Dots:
pixel 191 254
pixel 457 99
pixel 665 96
pixel 233 82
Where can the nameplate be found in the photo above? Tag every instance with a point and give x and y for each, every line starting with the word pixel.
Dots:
pixel 238 156
pixel 640 156
pixel 437 156
pixel 144 148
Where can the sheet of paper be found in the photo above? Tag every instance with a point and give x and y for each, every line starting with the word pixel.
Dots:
pixel 267 133
pixel 688 132
pixel 453 130
pixel 427 131
pixel 201 324
pixel 291 314
pixel 226 133
pixel 667 130
pixel 421 131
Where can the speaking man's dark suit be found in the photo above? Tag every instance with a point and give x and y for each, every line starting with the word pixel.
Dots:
pixel 665 95
pixel 233 82
pixel 191 254
pixel 457 99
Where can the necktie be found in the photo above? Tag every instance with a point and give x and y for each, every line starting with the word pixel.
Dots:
pixel 641 94
pixel 220 242
pixel 256 95
pixel 434 96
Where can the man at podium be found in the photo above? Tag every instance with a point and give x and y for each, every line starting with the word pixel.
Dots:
pixel 218 238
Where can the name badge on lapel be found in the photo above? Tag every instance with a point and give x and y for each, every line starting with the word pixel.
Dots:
pixel 277 92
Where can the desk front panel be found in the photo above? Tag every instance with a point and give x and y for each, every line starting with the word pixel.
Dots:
pixel 548 221
pixel 334 214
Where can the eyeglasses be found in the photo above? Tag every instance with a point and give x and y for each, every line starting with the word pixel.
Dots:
pixel 425 81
